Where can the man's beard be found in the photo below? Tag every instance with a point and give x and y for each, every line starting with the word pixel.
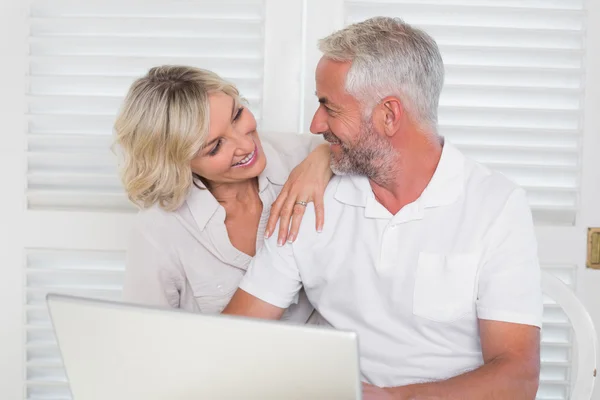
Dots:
pixel 371 156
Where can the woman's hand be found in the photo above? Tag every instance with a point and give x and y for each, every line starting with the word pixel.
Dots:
pixel 306 183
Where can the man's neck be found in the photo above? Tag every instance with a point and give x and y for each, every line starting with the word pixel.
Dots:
pixel 413 172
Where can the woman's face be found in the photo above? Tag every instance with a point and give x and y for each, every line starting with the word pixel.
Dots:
pixel 232 152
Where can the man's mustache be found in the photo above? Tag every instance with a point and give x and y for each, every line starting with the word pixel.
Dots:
pixel 331 138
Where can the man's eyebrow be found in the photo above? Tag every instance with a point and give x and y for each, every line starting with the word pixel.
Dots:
pixel 325 101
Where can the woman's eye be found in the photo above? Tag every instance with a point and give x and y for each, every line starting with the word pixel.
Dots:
pixel 238 114
pixel 215 149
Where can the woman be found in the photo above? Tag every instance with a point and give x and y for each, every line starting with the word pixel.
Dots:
pixel 194 163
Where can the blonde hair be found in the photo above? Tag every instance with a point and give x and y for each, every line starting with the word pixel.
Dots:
pixel 162 124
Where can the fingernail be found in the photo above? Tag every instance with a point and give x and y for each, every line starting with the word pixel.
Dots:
pixel 267 234
pixel 279 242
pixel 291 239
pixel 319 230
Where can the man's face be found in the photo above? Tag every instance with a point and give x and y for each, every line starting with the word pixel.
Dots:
pixel 356 147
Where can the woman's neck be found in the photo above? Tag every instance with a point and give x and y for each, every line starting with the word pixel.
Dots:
pixel 245 192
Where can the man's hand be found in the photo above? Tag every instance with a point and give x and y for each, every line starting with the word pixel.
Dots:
pixel 370 392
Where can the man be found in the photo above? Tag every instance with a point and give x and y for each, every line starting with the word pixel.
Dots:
pixel 427 255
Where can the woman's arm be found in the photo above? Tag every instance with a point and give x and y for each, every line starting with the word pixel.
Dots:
pixel 306 183
pixel 149 275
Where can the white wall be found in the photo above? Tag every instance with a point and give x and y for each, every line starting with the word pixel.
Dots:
pixel 12 183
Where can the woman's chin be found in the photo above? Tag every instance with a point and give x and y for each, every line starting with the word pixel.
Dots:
pixel 258 167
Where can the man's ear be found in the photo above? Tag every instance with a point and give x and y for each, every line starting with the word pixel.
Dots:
pixel 392 114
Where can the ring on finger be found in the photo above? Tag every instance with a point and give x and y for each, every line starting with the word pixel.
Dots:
pixel 302 203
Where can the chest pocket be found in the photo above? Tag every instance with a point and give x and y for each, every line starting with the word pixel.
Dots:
pixel 445 286
pixel 213 293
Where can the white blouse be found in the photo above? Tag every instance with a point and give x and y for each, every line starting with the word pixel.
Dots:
pixel 184 259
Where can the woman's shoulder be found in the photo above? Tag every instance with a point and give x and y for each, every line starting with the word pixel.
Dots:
pixel 156 222
pixel 285 150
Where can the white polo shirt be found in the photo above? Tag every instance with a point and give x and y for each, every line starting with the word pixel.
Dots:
pixel 413 285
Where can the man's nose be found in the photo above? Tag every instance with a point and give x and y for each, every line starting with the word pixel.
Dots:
pixel 319 122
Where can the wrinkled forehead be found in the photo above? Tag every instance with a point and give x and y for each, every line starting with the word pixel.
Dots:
pixel 330 76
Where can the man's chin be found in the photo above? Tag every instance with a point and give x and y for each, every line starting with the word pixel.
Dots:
pixel 337 166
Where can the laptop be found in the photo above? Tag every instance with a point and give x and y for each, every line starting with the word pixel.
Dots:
pixel 120 351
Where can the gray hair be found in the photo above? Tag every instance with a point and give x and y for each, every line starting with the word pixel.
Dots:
pixel 390 58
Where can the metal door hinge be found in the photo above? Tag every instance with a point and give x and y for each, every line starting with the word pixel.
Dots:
pixel 593 254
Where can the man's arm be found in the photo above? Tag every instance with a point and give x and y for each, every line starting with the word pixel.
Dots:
pixel 511 354
pixel 271 284
pixel 244 304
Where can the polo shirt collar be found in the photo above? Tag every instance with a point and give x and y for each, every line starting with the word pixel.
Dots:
pixel 444 188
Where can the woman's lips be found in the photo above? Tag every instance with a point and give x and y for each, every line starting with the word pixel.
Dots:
pixel 249 160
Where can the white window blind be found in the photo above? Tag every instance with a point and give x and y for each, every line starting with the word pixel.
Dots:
pixel 80 273
pixel 83 56
pixel 513 90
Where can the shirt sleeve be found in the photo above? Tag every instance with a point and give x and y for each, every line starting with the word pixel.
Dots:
pixel 509 280
pixel 150 276
pixel 273 275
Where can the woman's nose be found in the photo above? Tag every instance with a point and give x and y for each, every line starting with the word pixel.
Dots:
pixel 244 144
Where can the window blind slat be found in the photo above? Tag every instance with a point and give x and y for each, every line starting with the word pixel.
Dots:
pixel 506 37
pixel 515 56
pixel 134 66
pixel 143 47
pixel 201 9
pixel 511 97
pixel 453 13
pixel 78 85
pixel 150 27
pixel 561 5
pixel 101 105
pixel 523 77
pixel 510 117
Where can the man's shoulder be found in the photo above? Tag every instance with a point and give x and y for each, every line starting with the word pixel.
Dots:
pixel 488 193
pixel 480 180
